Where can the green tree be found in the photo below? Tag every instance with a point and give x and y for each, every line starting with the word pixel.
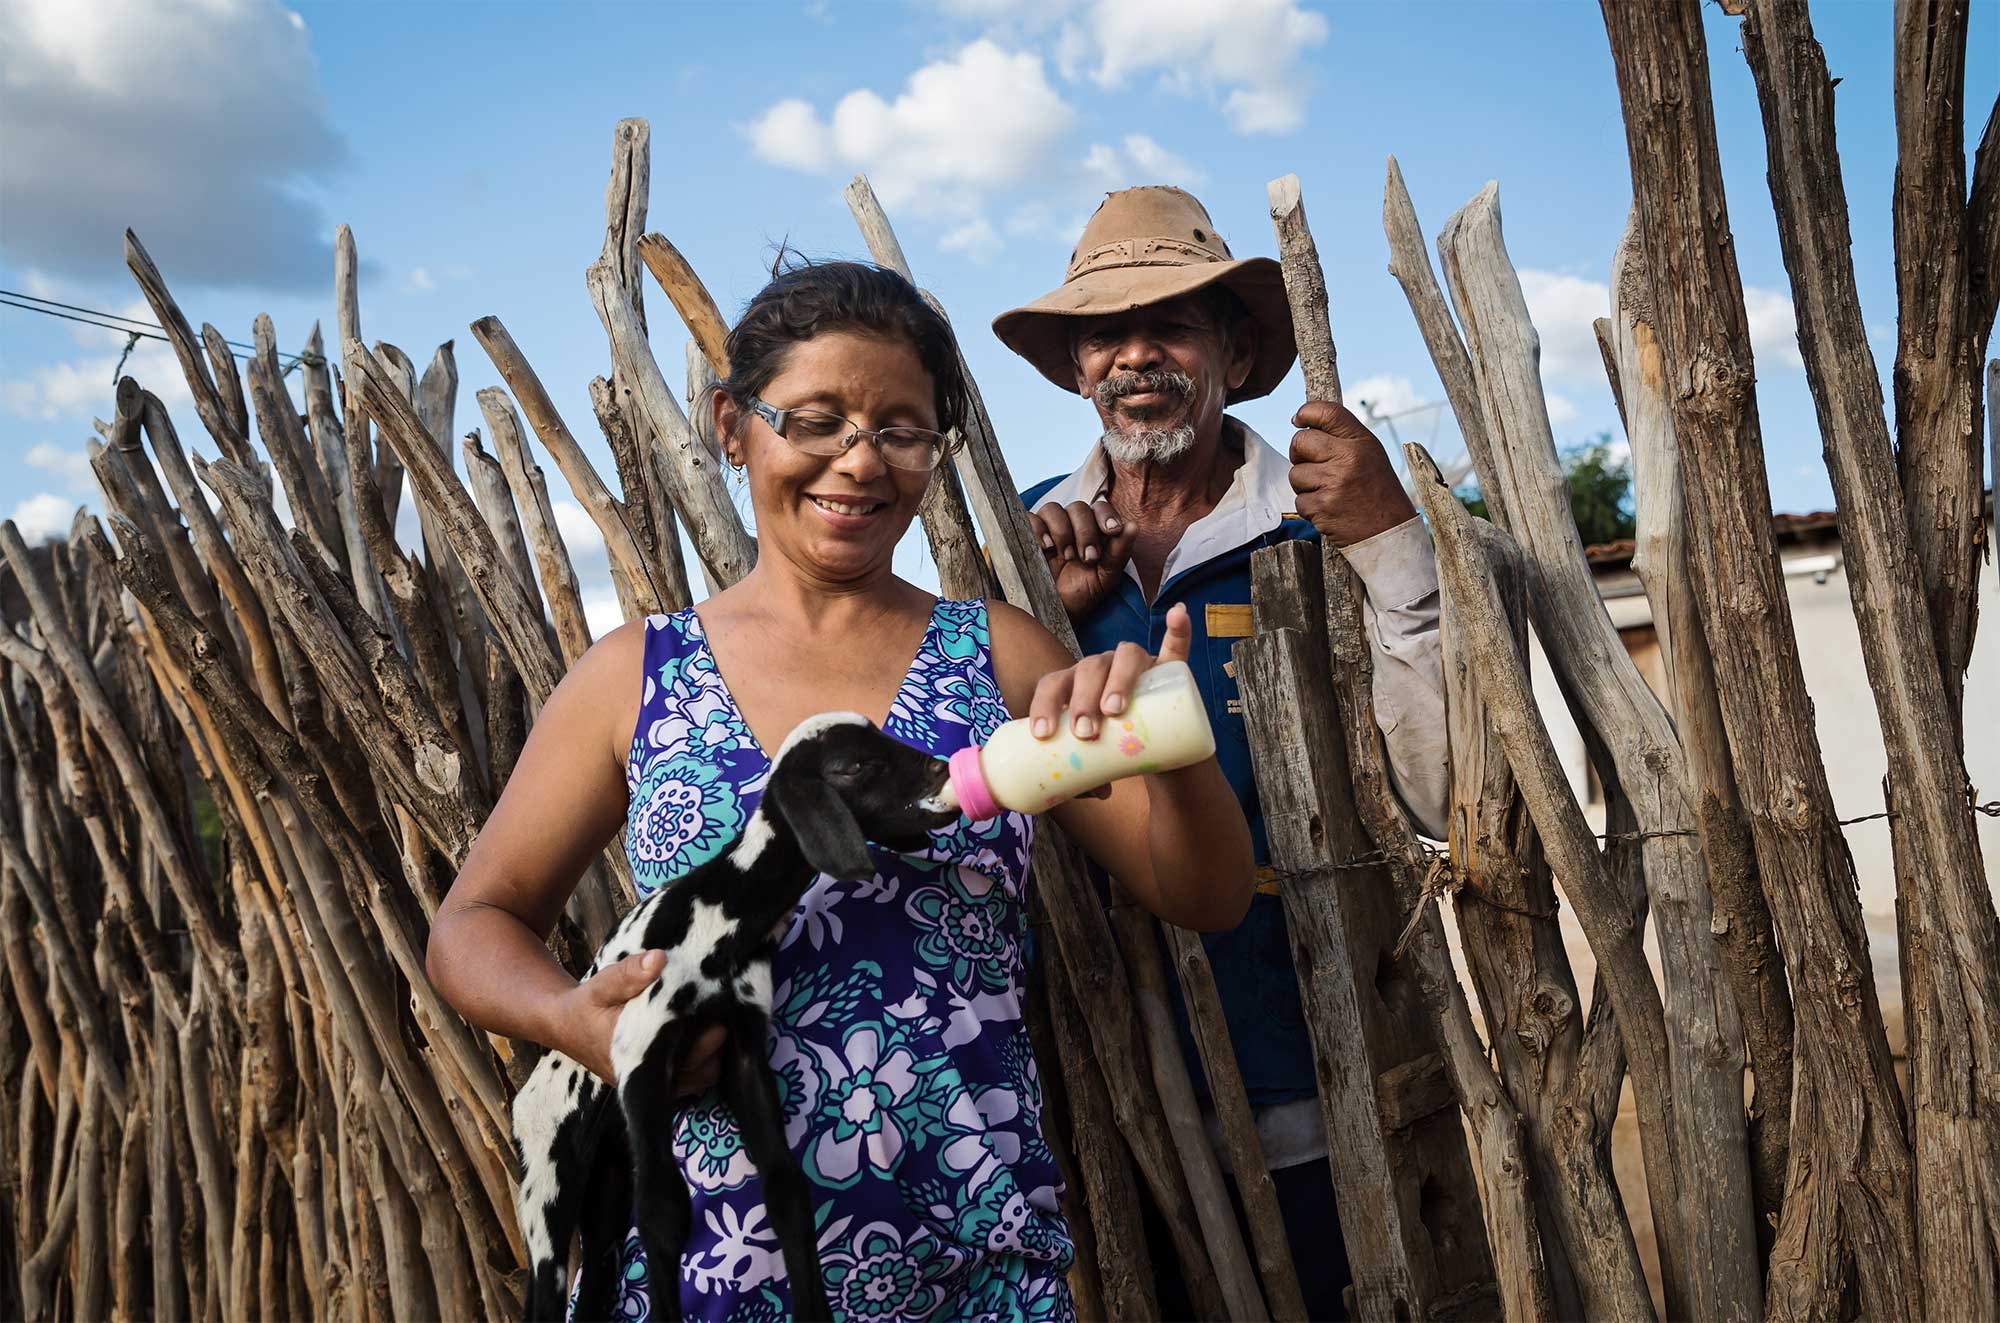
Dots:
pixel 1600 492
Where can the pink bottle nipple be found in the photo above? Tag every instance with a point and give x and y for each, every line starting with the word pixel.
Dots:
pixel 968 783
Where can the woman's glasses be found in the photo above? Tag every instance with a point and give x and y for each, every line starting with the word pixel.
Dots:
pixel 815 432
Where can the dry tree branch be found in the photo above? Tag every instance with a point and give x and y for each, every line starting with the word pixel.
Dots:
pixel 1698 1175
pixel 690 298
pixel 514 617
pixel 1949 936
pixel 1850 1154
pixel 1601 904
pixel 531 499
pixel 1742 923
pixel 195 896
pixel 1938 342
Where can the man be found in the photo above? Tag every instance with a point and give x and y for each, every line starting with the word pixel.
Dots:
pixel 1160 328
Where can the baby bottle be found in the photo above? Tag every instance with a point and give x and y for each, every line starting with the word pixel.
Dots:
pixel 1164 726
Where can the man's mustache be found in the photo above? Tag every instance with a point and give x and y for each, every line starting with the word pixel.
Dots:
pixel 1119 385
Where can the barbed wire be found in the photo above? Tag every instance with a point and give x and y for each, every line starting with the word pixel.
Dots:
pixel 1443 878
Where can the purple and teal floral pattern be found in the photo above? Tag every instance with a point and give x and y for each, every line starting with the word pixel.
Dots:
pixel 910 1094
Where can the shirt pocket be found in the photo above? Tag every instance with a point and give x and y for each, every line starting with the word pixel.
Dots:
pixel 1225 625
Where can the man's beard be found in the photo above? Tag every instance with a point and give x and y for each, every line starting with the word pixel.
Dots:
pixel 1139 442
pixel 1138 445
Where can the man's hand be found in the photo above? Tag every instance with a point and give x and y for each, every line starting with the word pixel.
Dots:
pixel 1346 485
pixel 1086 547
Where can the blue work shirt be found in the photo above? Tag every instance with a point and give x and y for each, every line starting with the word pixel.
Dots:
pixel 1252 961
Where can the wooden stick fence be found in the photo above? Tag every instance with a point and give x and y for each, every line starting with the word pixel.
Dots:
pixel 240 762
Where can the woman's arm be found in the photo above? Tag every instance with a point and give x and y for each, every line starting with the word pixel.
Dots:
pixel 563 803
pixel 1176 840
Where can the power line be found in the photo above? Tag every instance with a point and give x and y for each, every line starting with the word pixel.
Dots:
pixel 71 307
pixel 132 328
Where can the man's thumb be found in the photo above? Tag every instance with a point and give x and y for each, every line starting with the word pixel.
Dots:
pixel 1118 549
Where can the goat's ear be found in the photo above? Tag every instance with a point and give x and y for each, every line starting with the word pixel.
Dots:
pixel 829 837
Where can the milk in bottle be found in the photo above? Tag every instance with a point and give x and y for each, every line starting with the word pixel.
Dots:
pixel 1164 726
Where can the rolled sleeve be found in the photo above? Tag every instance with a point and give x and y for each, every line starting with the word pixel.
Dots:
pixel 1398 572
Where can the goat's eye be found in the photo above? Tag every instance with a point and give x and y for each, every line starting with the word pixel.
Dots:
pixel 845 769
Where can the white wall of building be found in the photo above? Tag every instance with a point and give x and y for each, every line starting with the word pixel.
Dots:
pixel 1850 736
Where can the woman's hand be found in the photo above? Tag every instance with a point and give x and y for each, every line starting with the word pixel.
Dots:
pixel 1176 839
pixel 590 1013
pixel 1101 685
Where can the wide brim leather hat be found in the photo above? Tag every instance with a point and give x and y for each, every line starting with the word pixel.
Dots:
pixel 1146 246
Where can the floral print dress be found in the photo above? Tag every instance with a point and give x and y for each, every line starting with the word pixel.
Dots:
pixel 896 1028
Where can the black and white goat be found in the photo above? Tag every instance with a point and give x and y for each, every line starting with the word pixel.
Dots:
pixel 589 1162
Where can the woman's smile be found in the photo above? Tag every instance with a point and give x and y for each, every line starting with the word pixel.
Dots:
pixel 848 512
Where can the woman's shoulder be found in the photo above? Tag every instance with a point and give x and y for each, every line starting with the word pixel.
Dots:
pixel 618 652
pixel 601 693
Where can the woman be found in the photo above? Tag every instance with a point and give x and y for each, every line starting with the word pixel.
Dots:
pixel 896 1027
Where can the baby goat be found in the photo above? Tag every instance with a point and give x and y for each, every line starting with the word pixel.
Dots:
pixel 836 784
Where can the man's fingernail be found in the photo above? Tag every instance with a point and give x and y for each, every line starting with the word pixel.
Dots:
pixel 1114 703
pixel 1085 727
pixel 1111 523
pixel 1090 555
pixel 1041 728
pixel 1048 543
pixel 652 961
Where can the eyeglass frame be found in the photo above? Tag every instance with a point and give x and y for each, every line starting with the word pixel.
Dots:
pixel 775 418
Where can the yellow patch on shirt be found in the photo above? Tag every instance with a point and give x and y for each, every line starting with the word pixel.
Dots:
pixel 1229 620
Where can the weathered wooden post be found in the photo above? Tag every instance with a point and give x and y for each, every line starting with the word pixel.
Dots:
pixel 1410 1211
pixel 1411 1214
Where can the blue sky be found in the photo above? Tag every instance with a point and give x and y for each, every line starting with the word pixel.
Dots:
pixel 468 143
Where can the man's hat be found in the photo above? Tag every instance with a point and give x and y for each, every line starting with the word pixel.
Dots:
pixel 1146 246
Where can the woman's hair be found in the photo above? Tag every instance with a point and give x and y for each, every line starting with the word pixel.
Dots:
pixel 807 298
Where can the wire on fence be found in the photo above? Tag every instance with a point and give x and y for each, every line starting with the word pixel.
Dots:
pixel 1443 878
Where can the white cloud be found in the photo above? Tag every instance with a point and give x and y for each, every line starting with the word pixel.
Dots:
pixel 601 614
pixel 962 128
pixel 1245 53
pixel 1774 326
pixel 44 515
pixel 1043 219
pixel 1384 395
pixel 77 388
pixel 1033 15
pixel 579 532
pixel 409 525
pixel 1142 161
pixel 1562 411
pixel 196 124
pixel 790 134
pixel 72 464
pixel 1157 161
pixel 420 279
pixel 1563 308
pixel 976 238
